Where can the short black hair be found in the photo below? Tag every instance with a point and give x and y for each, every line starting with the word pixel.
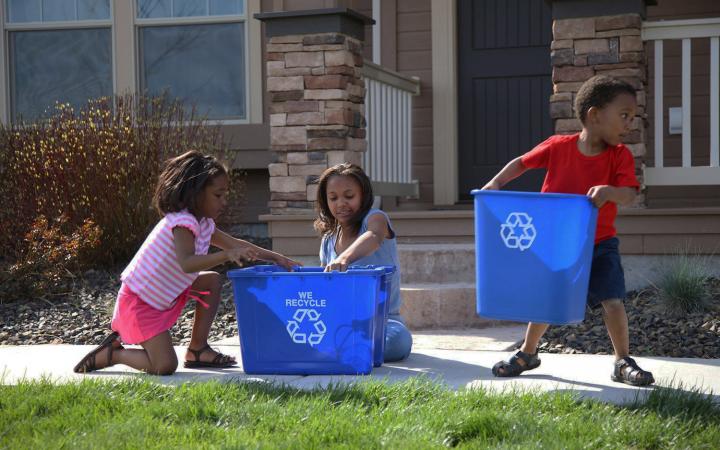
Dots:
pixel 597 92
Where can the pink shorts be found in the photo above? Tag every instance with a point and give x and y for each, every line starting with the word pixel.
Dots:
pixel 136 321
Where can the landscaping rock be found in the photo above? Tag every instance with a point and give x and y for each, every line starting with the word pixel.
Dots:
pixel 653 332
pixel 84 318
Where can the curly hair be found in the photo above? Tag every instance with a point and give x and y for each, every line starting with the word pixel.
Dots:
pixel 183 179
pixel 597 92
pixel 326 223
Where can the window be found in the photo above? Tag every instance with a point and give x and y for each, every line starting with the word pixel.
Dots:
pixel 205 52
pixel 59 50
pixel 196 51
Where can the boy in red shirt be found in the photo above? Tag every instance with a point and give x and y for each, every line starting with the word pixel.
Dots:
pixel 596 163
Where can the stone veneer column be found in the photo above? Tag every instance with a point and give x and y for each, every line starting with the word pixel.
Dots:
pixel 610 45
pixel 316 96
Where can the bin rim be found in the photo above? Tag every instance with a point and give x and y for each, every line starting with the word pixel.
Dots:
pixel 477 192
pixel 269 270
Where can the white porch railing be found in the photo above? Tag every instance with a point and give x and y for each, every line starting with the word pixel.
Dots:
pixel 388 112
pixel 685 30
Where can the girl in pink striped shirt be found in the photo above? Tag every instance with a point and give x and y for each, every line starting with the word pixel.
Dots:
pixel 170 268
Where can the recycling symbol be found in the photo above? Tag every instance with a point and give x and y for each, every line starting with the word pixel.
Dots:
pixel 518 231
pixel 310 316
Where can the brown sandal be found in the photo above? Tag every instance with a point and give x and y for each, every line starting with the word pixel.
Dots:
pixel 627 371
pixel 87 364
pixel 513 368
pixel 220 361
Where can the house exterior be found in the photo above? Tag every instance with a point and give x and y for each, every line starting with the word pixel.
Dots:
pixel 488 92
pixel 474 83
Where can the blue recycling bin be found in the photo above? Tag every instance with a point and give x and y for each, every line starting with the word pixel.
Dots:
pixel 307 322
pixel 381 314
pixel 533 253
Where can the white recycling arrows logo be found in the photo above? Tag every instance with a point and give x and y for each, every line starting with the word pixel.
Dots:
pixel 518 231
pixel 311 316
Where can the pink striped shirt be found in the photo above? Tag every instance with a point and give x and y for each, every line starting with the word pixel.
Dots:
pixel 154 274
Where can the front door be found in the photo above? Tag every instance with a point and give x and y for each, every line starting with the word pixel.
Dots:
pixel 504 87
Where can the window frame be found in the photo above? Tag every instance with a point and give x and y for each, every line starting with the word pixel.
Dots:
pixel 7 28
pixel 124 28
pixel 139 23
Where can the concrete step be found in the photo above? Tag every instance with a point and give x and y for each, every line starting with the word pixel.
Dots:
pixel 437 263
pixel 447 305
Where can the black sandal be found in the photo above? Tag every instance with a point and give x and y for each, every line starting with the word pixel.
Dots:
pixel 513 368
pixel 219 362
pixel 627 371
pixel 88 364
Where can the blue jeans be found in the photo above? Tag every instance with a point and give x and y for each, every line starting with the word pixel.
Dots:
pixel 398 341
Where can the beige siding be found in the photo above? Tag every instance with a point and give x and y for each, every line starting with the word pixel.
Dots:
pixel 665 196
pixel 414 58
pixel 246 206
pixel 405 28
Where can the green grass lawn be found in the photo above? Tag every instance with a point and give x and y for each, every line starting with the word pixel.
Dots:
pixel 417 413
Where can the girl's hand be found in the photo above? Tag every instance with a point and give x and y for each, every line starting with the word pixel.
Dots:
pixel 285 262
pixel 340 265
pixel 240 254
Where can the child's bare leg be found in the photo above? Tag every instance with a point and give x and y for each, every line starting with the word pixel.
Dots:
pixel 626 369
pixel 616 322
pixel 207 281
pixel 157 356
pixel 532 336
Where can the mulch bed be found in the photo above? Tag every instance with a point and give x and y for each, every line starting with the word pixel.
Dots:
pixel 84 317
pixel 653 331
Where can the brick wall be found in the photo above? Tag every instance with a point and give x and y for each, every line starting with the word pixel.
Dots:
pixel 316 97
pixel 609 45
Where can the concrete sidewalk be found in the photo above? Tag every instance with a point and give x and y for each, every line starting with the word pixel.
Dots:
pixel 588 376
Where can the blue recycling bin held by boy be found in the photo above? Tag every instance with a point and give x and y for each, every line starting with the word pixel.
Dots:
pixel 533 253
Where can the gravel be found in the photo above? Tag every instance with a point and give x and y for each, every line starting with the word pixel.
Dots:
pixel 653 331
pixel 84 318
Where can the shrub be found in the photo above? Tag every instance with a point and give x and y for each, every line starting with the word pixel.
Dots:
pixel 683 288
pixel 99 164
pixel 54 251
pixel 77 186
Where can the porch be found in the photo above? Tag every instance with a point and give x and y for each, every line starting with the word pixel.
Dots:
pixel 437 239
pixel 684 153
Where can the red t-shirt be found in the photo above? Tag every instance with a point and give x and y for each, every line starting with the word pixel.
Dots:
pixel 571 172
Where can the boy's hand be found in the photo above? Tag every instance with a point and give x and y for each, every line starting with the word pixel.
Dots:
pixel 240 254
pixel 492 185
pixel 340 265
pixel 599 195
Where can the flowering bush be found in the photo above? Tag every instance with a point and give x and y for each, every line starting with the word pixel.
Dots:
pixel 96 167
pixel 52 254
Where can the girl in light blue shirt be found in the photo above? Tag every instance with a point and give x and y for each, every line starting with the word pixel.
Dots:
pixel 355 234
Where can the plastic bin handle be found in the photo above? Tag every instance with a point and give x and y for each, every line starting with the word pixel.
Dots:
pixel 388 269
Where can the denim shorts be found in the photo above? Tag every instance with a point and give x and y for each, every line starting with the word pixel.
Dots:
pixel 607 278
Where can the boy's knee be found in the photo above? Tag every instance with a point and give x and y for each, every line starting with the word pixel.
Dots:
pixel 398 341
pixel 613 305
